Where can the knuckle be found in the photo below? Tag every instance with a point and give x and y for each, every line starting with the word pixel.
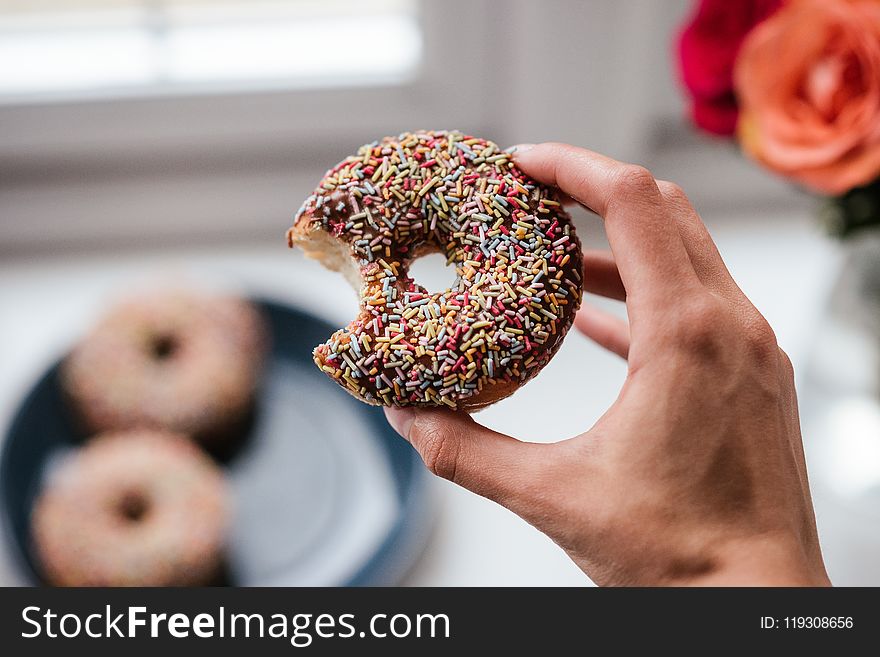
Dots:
pixel 634 180
pixel 672 190
pixel 438 447
pixel 760 338
pixel 674 194
pixel 785 362
pixel 699 327
pixel 711 330
pixel 786 366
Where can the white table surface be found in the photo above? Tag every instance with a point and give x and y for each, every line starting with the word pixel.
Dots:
pixel 783 262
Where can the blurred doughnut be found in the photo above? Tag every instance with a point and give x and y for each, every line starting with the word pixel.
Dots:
pixel 139 508
pixel 176 361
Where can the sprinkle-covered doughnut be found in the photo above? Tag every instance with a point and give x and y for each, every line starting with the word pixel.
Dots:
pixel 139 508
pixel 174 360
pixel 516 256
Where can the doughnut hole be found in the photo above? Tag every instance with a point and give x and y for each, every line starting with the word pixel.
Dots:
pixel 133 507
pixel 431 272
pixel 163 346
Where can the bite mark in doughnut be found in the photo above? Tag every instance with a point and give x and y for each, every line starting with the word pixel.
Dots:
pixel 516 256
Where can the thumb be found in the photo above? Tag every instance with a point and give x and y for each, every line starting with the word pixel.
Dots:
pixel 516 474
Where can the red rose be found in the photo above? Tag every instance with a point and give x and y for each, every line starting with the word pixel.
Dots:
pixel 707 48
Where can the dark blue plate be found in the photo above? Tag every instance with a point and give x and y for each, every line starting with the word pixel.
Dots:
pixel 325 492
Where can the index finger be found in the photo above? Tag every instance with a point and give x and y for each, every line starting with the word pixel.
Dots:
pixel 647 246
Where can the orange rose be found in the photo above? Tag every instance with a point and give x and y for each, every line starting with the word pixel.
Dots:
pixel 808 81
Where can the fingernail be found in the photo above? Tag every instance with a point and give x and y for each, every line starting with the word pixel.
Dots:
pixel 400 419
pixel 519 148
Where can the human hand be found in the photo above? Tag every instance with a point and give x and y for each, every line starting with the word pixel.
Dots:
pixel 696 474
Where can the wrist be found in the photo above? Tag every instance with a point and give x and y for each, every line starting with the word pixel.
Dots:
pixel 762 561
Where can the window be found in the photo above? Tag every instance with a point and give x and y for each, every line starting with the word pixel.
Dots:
pixel 81 48
pixel 155 119
pixel 161 119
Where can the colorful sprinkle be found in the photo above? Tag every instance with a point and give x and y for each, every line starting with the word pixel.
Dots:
pixel 517 260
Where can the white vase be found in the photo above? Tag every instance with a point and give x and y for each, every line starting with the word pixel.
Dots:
pixel 840 415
